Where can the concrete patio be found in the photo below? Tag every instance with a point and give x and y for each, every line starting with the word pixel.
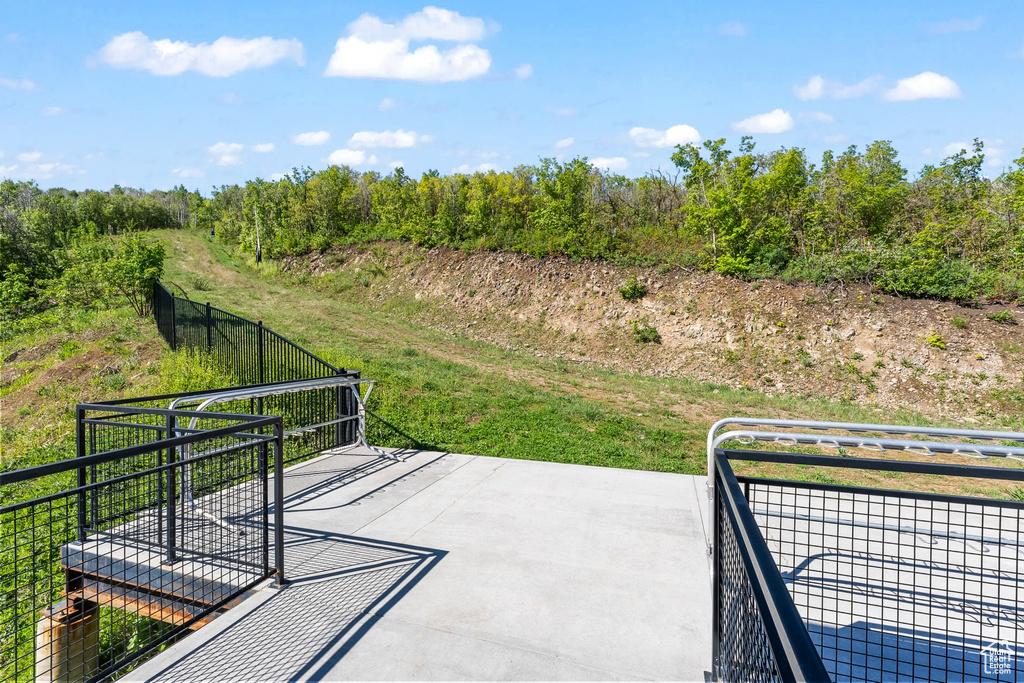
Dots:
pixel 451 566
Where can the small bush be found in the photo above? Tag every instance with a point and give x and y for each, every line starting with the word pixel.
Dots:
pixel 633 290
pixel 958 322
pixel 201 283
pixel 1002 317
pixel 935 340
pixel 805 358
pixel 857 356
pixel 644 333
pixel 67 349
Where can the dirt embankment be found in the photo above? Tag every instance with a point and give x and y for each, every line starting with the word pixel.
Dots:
pixel 844 343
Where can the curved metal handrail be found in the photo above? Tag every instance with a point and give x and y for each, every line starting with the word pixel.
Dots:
pixel 263 391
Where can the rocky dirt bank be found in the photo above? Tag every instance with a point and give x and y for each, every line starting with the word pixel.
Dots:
pixel 847 343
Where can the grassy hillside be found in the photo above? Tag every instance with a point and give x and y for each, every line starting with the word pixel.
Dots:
pixel 54 360
pixel 446 391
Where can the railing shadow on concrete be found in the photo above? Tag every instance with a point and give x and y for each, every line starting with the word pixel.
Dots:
pixel 305 485
pixel 341 586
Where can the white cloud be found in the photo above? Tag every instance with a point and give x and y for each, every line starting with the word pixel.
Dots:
pixel 956 25
pixel 225 154
pixel 995 153
pixel 399 139
pixel 466 169
pixel 277 177
pixel 676 135
pixel 775 121
pixel 224 57
pixel 374 49
pixel 16 84
pixel 564 142
pixel 614 164
pixel 818 87
pixel 44 171
pixel 733 28
pixel 564 112
pixel 187 172
pixel 488 155
pixel 431 23
pixel 51 169
pixel 524 71
pixel 356 58
pixel 387 103
pixel 51 111
pixel 816 117
pixel 955 148
pixel 814 89
pixel 318 137
pixel 1 155
pixel 924 86
pixel 396 164
pixel 229 98
pixel 263 147
pixel 30 157
pixel 351 157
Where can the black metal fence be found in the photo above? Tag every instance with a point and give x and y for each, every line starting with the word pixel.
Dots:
pixel 882 584
pixel 136 541
pixel 758 634
pixel 252 351
pixel 314 419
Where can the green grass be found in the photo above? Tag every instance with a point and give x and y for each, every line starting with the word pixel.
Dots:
pixel 446 391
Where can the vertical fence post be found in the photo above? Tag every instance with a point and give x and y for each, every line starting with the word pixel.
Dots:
pixel 259 354
pixel 264 474
pixel 80 452
pixel 172 495
pixel 94 497
pixel 339 409
pixel 279 501
pixel 209 327
pixel 174 324
pixel 716 585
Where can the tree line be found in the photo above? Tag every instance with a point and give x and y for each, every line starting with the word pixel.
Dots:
pixel 951 232
pixel 857 216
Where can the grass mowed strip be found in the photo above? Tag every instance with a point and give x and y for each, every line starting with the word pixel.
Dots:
pixel 449 392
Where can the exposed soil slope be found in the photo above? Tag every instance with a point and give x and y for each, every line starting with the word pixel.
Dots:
pixel 844 343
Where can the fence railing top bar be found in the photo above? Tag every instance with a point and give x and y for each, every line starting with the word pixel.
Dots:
pixel 929 448
pixel 852 427
pixel 265 390
pixel 800 660
pixel 166 412
pixel 198 393
pixel 27 473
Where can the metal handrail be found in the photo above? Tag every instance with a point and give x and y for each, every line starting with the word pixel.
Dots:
pixel 266 390
pixel 918 447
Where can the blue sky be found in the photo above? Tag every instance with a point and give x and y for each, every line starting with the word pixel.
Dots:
pixel 150 95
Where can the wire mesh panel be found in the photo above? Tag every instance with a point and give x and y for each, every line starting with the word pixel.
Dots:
pixel 758 634
pixel 252 352
pixel 900 585
pixel 103 570
pixel 744 652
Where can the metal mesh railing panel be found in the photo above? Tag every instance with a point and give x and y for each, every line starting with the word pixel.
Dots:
pixel 94 575
pixel 253 353
pixel 899 585
pixel 744 651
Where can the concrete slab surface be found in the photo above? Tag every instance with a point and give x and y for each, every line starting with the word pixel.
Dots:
pixel 461 567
